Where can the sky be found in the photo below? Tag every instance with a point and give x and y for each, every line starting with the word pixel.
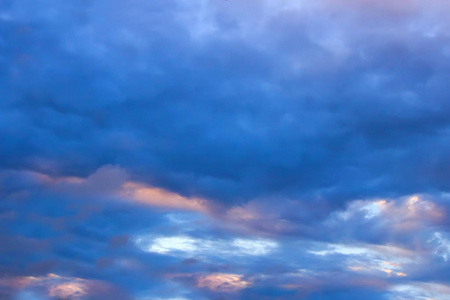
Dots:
pixel 224 149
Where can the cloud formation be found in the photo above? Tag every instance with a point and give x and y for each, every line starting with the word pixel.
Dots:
pixel 270 149
pixel 263 98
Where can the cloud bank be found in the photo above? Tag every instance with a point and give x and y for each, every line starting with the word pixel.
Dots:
pixel 269 149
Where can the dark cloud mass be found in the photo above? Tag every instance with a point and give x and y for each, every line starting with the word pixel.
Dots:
pixel 269 149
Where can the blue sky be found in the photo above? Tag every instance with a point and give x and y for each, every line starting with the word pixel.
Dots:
pixel 273 149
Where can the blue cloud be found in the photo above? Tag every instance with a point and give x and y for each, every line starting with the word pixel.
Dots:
pixel 252 143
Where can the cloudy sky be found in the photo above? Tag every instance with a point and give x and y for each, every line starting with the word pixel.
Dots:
pixel 212 149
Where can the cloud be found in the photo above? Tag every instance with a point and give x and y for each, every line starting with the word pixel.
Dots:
pixel 369 258
pixel 222 282
pixel 259 114
pixel 161 198
pixel 262 149
pixel 189 246
pixel 442 245
pixel 108 182
pixel 54 286
pixel 421 290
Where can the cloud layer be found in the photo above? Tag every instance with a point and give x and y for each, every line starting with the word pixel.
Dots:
pixel 224 149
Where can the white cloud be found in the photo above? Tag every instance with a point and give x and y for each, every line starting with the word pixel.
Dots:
pixel 420 291
pixel 254 247
pixel 169 244
pixel 341 249
pixel 366 258
pixel 189 246
pixel 442 245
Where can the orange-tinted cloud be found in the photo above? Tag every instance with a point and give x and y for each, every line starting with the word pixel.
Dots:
pixel 112 182
pixel 161 198
pixel 222 282
pixel 61 287
pixel 55 285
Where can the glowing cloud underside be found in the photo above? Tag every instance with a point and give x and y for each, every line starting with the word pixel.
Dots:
pixel 222 282
pixel 161 198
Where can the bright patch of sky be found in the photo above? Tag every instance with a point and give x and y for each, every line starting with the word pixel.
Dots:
pixel 190 246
